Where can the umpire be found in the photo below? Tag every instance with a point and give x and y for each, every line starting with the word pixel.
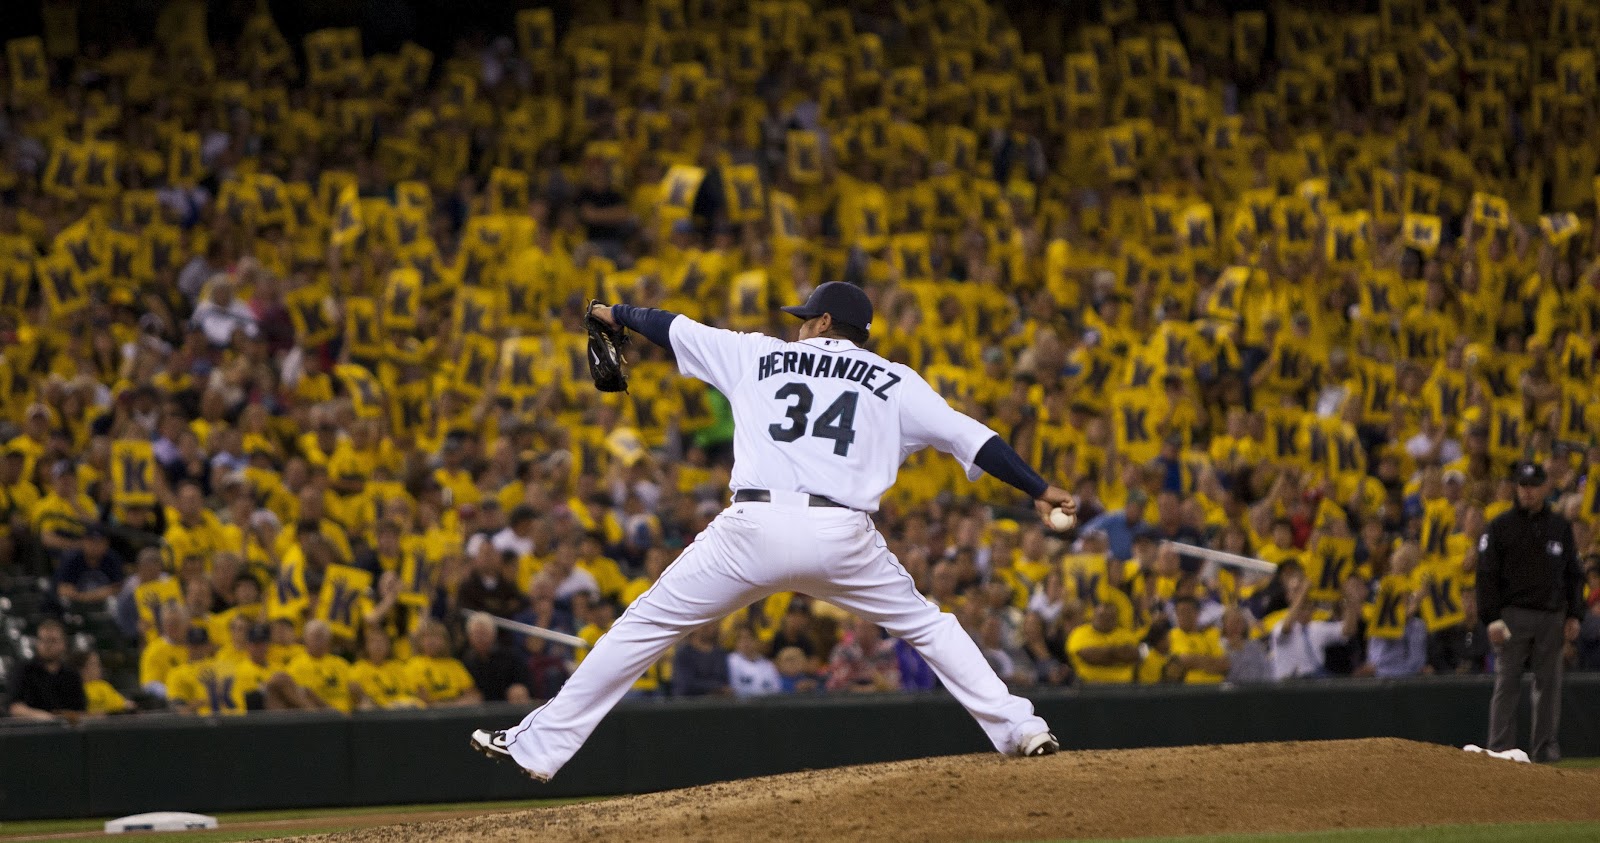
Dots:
pixel 1530 596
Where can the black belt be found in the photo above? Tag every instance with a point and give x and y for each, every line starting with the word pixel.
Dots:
pixel 764 496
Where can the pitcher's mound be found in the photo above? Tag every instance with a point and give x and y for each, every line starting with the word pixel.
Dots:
pixel 1269 787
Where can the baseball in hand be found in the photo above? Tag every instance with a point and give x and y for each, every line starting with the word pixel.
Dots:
pixel 1061 521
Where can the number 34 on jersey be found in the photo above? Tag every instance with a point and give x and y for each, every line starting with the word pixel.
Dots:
pixel 837 422
pixel 822 416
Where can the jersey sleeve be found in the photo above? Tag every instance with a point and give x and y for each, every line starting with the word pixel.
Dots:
pixel 927 420
pixel 712 354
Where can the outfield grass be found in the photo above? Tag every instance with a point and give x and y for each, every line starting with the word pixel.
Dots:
pixel 1579 763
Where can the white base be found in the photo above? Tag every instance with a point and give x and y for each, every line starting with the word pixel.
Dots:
pixel 1509 755
pixel 160 821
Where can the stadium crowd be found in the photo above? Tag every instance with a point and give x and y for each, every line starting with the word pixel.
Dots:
pixel 292 381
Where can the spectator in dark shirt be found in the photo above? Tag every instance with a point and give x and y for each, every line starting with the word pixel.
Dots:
pixel 794 673
pixel 700 667
pixel 91 574
pixel 546 668
pixel 1172 526
pixel 1120 525
pixel 1170 459
pixel 603 210
pixel 501 676
pixel 548 665
pixel 544 612
pixel 1088 494
pixel 47 687
pixel 1464 647
pixel 489 587
pixel 1589 629
pixel 795 630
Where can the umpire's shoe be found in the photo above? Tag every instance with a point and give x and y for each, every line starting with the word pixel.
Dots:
pixel 1042 743
pixel 496 745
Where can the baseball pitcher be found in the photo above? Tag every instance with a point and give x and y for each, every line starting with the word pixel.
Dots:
pixel 821 428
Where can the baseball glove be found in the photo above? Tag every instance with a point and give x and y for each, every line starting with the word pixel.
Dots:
pixel 606 366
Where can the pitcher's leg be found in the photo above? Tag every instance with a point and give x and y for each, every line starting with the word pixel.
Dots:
pixel 699 587
pixel 881 591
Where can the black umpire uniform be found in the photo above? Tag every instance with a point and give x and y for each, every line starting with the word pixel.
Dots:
pixel 1529 578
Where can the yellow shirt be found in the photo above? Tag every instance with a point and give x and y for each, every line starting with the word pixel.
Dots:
pixel 459 483
pixel 388 685
pixel 203 539
pixel 1021 587
pixel 248 677
pixel 280 656
pixel 439 680
pixel 1202 642
pixel 54 514
pixel 31 452
pixel 606 574
pixel 1151 668
pixel 1034 570
pixel 153 598
pixel 347 463
pixel 1086 637
pixel 1272 553
pixel 636 588
pixel 328 677
pixel 290 538
pixel 1245 449
pixel 104 699
pixel 19 498
pixel 212 687
pixel 232 538
pixel 159 659
pixel 528 567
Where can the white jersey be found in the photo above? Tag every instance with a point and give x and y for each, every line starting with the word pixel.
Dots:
pixel 822 416
pixel 757 677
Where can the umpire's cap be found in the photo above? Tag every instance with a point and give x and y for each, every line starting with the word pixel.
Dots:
pixel 1529 473
pixel 845 302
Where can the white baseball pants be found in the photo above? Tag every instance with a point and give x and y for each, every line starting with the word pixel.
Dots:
pixel 749 551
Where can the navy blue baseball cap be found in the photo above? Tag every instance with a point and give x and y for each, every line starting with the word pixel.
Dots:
pixel 845 302
pixel 1529 473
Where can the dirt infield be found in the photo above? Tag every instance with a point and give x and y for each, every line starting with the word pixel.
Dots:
pixel 1125 793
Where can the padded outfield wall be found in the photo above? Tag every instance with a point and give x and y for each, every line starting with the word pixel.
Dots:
pixel 284 761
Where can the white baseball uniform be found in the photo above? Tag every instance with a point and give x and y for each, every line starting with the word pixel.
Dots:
pixel 818 417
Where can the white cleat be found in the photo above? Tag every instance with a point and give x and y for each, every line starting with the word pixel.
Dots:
pixel 496 745
pixel 1042 743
